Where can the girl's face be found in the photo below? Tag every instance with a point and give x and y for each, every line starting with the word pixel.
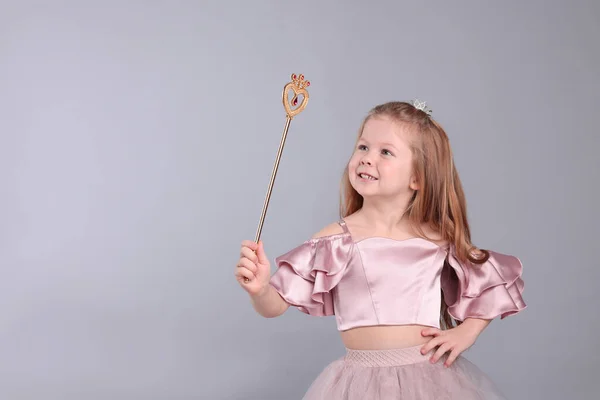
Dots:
pixel 381 164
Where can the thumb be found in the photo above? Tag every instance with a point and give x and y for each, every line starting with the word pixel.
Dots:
pixel 260 253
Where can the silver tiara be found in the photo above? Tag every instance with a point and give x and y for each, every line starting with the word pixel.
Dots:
pixel 421 105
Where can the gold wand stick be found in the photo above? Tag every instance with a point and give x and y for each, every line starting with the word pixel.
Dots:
pixel 298 85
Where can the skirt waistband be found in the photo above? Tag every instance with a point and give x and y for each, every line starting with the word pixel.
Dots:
pixel 386 358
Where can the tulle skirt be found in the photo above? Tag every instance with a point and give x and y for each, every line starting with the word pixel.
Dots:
pixel 400 374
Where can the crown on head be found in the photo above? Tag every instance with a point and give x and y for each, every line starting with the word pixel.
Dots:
pixel 299 81
pixel 421 105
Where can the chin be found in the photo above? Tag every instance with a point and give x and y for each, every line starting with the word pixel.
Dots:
pixel 364 192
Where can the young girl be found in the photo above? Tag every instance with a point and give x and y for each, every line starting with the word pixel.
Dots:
pixel 409 290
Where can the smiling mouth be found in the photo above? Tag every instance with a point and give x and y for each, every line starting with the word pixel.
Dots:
pixel 367 177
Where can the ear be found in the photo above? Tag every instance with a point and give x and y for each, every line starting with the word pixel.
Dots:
pixel 414 185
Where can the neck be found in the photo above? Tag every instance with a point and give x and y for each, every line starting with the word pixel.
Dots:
pixel 385 215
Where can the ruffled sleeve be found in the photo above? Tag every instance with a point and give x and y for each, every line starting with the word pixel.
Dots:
pixel 306 275
pixel 486 290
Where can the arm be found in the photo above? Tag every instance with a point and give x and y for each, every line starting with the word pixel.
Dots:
pixel 269 303
pixel 306 275
pixel 476 295
pixel 475 325
pixel 253 274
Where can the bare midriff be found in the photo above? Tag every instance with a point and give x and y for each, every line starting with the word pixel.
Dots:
pixel 384 337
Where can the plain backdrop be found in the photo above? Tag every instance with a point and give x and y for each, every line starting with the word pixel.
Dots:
pixel 137 139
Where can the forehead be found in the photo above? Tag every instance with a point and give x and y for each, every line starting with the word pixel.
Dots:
pixel 384 129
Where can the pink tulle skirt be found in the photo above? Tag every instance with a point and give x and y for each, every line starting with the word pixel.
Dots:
pixel 400 374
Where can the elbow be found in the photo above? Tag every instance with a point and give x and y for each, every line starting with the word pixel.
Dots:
pixel 274 313
pixel 269 316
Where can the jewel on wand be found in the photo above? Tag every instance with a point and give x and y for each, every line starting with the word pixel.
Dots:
pixel 292 108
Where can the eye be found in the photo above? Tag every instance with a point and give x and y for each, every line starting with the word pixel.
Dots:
pixel 387 152
pixel 361 147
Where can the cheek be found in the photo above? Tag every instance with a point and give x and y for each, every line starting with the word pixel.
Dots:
pixel 353 163
pixel 400 172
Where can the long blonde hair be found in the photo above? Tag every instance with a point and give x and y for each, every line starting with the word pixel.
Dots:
pixel 440 200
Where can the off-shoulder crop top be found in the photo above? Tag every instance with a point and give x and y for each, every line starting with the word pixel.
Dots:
pixel 384 281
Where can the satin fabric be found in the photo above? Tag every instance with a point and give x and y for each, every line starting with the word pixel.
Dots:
pixel 383 281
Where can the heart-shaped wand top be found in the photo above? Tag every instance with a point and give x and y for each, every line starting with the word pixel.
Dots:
pixel 293 106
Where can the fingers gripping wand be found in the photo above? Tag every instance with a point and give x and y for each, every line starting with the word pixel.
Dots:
pixel 293 107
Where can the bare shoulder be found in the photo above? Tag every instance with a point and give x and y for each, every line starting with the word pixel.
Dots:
pixel 331 229
pixel 433 236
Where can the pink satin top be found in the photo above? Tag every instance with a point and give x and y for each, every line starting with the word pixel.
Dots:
pixel 383 281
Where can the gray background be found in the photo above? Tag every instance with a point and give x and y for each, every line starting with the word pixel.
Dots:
pixel 137 140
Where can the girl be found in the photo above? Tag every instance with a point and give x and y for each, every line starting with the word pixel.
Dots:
pixel 409 290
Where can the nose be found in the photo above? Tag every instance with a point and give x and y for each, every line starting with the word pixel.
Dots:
pixel 365 160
